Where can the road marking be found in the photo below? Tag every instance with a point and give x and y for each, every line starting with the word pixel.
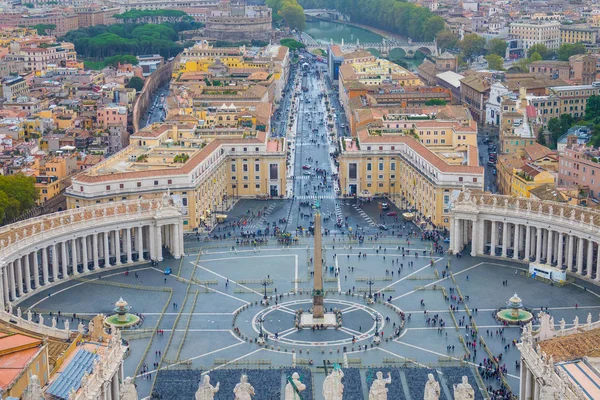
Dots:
pixel 231 361
pixel 406 277
pixel 296 274
pixel 230 280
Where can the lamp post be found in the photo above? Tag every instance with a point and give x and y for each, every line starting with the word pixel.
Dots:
pixel 377 321
pixel 370 282
pixel 265 282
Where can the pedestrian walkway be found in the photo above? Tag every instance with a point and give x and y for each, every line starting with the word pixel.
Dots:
pixel 316 197
pixel 338 211
pixel 364 215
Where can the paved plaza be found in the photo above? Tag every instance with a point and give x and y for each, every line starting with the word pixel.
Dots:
pixel 209 307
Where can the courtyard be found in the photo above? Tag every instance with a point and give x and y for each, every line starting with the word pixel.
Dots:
pixel 209 312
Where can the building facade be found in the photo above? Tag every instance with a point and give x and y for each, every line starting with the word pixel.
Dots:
pixel 536 32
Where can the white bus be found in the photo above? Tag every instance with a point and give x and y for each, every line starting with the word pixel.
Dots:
pixel 548 272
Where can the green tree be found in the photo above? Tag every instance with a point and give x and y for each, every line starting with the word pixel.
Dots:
pixel 555 130
pixel 42 29
pixel 432 27
pixel 292 44
pixel 472 45
pixel 535 57
pixel 114 61
pixel 592 107
pixel 541 139
pixel 435 102
pixel 495 62
pixel 497 46
pixel 567 50
pixel 136 83
pixel 566 122
pixel 541 49
pixel 17 195
pixel 446 40
pixel 293 15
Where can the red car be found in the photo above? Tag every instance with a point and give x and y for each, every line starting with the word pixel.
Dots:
pixel 306 166
pixel 392 214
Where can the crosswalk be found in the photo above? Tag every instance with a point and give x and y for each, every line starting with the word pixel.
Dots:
pixel 315 197
pixel 364 215
pixel 338 212
pixel 268 211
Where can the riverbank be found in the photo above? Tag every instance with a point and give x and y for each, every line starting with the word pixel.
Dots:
pixel 384 34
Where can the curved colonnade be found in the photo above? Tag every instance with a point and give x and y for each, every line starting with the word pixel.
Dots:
pixel 563 236
pixel 40 252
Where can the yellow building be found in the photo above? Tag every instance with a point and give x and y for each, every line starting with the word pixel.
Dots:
pixel 21 356
pixel 578 34
pixel 411 174
pixel 529 177
pixel 203 170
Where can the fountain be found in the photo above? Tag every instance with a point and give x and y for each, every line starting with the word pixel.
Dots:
pixel 122 317
pixel 514 313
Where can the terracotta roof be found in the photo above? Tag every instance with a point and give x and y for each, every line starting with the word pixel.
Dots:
pixel 536 151
pixel 12 365
pixel 547 192
pixel 336 50
pixel 475 82
pixel 357 54
pixel 574 346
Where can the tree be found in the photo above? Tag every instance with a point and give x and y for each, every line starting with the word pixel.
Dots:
pixel 495 62
pixel 535 57
pixel 136 83
pixel 42 29
pixel 497 46
pixel 592 107
pixel 541 139
pixel 555 131
pixel 293 15
pixel 446 40
pixel 567 50
pixel 566 122
pixel 541 49
pixel 432 27
pixel 17 194
pixel 472 45
pixel 292 44
pixel 435 102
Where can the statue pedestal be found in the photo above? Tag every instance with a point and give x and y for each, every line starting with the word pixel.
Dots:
pixel 308 320
pixel 376 339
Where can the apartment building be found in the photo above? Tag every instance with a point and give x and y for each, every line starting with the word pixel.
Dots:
pixel 535 32
pixel 579 168
pixel 579 34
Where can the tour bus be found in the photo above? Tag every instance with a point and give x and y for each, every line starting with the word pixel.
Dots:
pixel 548 272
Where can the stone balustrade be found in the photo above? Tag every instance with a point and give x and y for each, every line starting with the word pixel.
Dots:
pixel 563 236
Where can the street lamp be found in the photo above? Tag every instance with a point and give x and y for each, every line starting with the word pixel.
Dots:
pixel 377 321
pixel 260 321
pixel 265 282
pixel 370 282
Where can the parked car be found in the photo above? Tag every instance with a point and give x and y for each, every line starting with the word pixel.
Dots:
pixel 383 227
pixel 385 206
pixel 392 214
pixel 306 166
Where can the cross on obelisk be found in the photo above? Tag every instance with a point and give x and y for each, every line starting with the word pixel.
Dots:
pixel 318 287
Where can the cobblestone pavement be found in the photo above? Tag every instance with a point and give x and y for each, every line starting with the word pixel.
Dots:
pixel 195 306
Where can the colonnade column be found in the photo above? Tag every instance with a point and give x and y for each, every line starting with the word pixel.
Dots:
pixel 36 270
pixel 579 265
pixel 493 238
pixel 570 253
pixel 54 263
pixel 27 273
pixel 2 289
pixel 140 240
pixel 457 236
pixel 158 244
pixel 95 251
pixel 527 243
pixel 65 263
pixel 538 245
pixel 117 241
pixel 45 265
pixel 11 278
pixel 74 256
pixel 5 284
pixel 106 250
pixel 84 254
pixel 597 278
pixel 590 257
pixel 19 276
pixel 128 245
pixel 504 239
pixel 559 258
pixel 474 238
pixel 549 249
pixel 517 242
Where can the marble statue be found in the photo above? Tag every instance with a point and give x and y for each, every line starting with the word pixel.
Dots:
pixel 290 393
pixel 41 320
pixel 243 390
pixel 562 324
pixel 576 322
pixel 91 327
pixel 19 312
pixel 29 316
pixel 378 390
pixel 54 322
pixel 464 391
pixel 432 389
pixel 67 325
pixel 10 308
pixel 81 328
pixel 589 319
pixel 333 388
pixel 33 391
pixel 206 391
pixel 128 390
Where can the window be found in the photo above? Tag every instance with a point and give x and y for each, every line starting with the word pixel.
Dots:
pixel 184 201
pixel 155 183
pixel 392 177
pixel 257 177
pixel 245 177
pixel 245 186
pixel 121 186
pixel 245 167
pixel 256 167
pixel 273 171
pixel 369 177
pixel 460 178
pixel 369 167
pixel 170 182
pixel 380 176
pixel 352 170
pixel 107 187
pixel 232 167
pixel 257 185
pixel 380 166
pixel 139 184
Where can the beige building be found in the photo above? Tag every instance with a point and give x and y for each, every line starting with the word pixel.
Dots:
pixel 203 171
pixel 535 32
pixel 399 166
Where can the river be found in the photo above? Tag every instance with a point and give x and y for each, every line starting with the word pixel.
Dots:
pixel 325 31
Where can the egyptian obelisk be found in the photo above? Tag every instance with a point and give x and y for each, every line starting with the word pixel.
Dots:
pixel 318 287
